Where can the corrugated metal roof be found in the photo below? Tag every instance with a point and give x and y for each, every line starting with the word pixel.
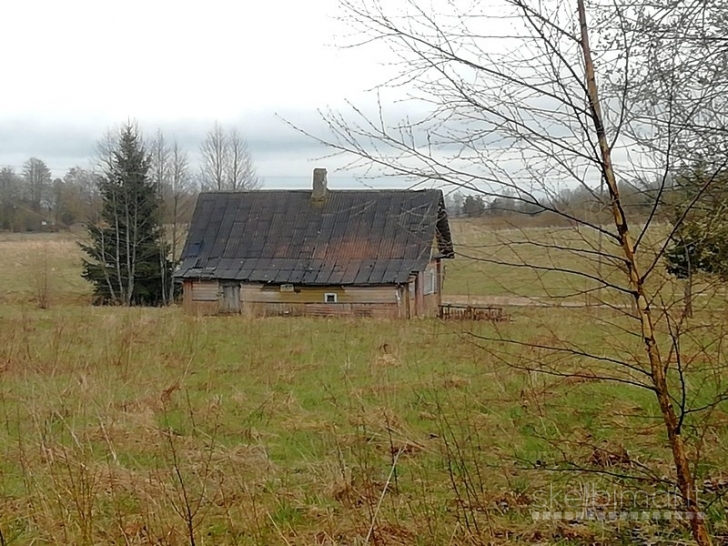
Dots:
pixel 352 237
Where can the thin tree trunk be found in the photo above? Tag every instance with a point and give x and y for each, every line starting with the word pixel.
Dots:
pixel 161 161
pixel 175 208
pixel 688 297
pixel 117 232
pixel 103 261
pixel 163 251
pixel 658 370
pixel 688 289
pixel 130 236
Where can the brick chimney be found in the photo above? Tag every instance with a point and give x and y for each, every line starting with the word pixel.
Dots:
pixel 319 185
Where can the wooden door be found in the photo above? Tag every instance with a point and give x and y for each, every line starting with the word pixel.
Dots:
pixel 230 298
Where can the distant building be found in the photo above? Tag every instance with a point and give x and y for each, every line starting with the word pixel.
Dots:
pixel 316 253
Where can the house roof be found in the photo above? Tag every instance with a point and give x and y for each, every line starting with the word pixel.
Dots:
pixel 282 237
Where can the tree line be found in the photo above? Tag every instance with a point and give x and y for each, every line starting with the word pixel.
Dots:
pixel 32 199
pixel 134 202
pixel 544 211
pixel 692 202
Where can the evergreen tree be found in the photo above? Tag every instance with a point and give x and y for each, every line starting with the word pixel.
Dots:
pixel 124 262
pixel 473 206
pixel 700 219
pixel 699 240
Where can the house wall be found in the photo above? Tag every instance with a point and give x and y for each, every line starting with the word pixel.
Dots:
pixel 315 294
pixel 201 297
pixel 204 297
pixel 372 301
pixel 388 301
pixel 425 291
pixel 432 298
pixel 376 310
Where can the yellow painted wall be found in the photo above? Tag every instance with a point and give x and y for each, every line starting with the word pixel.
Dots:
pixel 315 294
pixel 258 299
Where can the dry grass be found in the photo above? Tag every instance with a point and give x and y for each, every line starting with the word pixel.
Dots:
pixel 146 426
pixel 293 431
pixel 41 269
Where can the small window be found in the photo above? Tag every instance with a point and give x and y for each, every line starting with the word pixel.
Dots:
pixel 330 297
pixel 430 281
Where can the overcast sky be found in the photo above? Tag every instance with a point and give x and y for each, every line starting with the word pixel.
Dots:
pixel 72 69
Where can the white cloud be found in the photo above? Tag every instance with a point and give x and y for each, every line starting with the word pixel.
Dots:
pixel 79 67
pixel 169 59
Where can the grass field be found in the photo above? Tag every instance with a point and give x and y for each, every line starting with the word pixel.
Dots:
pixel 147 426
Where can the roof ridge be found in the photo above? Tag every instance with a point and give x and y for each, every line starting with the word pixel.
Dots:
pixel 329 190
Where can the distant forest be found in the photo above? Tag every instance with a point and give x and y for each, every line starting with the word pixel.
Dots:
pixel 31 199
pixel 581 202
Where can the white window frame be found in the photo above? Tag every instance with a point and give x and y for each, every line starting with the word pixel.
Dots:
pixel 430 281
pixel 327 295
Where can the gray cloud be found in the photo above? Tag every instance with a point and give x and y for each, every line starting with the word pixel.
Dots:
pixel 274 145
pixel 284 157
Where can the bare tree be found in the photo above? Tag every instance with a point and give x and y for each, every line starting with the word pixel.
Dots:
pixel 170 173
pixel 37 178
pixel 506 104
pixel 80 201
pixel 179 203
pixel 214 150
pixel 160 172
pixel 227 164
pixel 240 170
pixel 10 196
pixel 160 154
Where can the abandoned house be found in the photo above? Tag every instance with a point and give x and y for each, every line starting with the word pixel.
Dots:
pixel 316 253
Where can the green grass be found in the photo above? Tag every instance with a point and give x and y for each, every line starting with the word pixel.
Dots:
pixel 328 431
pixel 301 416
pixel 558 265
pixel 492 261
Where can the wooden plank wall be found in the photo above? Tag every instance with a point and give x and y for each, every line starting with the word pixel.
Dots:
pixel 315 294
pixel 260 300
pixel 201 297
pixel 205 291
pixel 268 309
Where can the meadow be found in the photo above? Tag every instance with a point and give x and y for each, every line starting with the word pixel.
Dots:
pixel 149 426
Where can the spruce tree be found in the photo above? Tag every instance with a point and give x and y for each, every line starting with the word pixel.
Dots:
pixel 123 256
pixel 699 238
